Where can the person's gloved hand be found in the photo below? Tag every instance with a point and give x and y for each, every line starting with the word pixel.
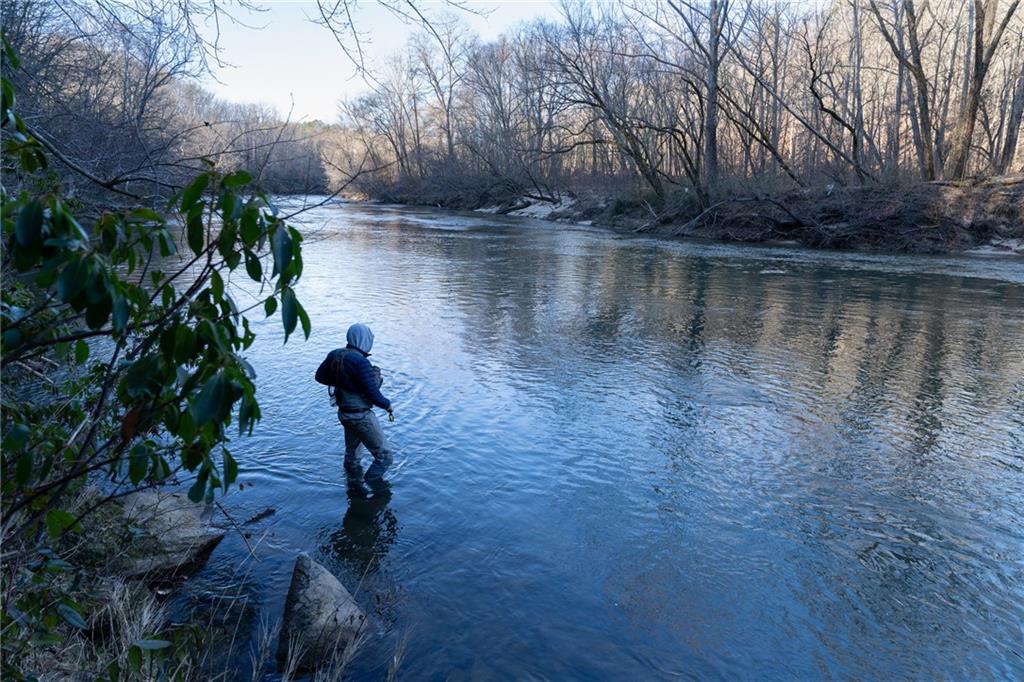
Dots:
pixel 391 415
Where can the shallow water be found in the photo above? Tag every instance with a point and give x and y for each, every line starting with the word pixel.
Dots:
pixel 629 459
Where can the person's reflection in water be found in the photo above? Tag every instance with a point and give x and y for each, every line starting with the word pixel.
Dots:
pixel 369 527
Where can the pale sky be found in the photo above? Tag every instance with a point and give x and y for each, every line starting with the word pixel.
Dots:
pixel 287 56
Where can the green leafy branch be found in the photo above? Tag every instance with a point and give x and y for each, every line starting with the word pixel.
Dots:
pixel 133 318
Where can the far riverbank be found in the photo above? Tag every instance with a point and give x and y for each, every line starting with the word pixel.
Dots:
pixel 940 217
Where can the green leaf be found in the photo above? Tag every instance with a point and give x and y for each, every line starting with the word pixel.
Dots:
pixel 166 244
pixel 281 246
pixel 232 306
pixel 248 414
pixel 187 427
pixel 71 616
pixel 121 312
pixel 40 158
pixel 163 469
pixel 184 343
pixel 12 338
pixel 58 520
pixel 28 229
pixel 228 206
pixel 226 240
pixel 81 351
pixel 29 160
pixel 16 437
pixel 253 266
pixel 6 99
pixel 289 311
pixel 135 659
pixel 138 464
pixel 10 54
pixel 142 379
pixel 230 468
pixel 198 489
pixel 270 306
pixel 23 468
pixel 145 215
pixel 216 285
pixel 304 320
pixel 249 226
pixel 97 314
pixel 190 195
pixel 72 279
pixel 67 222
pixel 213 401
pixel 192 457
pixel 151 644
pixel 196 236
pixel 237 179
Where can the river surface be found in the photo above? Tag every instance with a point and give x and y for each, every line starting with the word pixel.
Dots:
pixel 624 459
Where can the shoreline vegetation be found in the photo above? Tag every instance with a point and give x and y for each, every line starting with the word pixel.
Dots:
pixel 845 125
pixel 125 377
pixel 942 217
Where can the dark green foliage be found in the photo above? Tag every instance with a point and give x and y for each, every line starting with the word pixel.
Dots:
pixel 158 342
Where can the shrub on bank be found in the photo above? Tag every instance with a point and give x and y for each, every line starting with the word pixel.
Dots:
pixel 123 369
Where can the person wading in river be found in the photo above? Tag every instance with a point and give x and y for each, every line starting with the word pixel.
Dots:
pixel 356 385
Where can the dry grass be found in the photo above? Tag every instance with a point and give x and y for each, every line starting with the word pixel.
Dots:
pixel 126 612
pixel 398 657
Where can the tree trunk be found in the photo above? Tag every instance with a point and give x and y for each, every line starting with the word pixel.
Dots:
pixel 711 115
pixel 1016 118
pixel 925 140
pixel 985 31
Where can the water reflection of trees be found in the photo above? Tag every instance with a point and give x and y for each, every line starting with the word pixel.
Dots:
pixel 568 303
pixel 535 299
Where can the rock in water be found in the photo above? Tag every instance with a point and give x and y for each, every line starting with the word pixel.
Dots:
pixel 172 534
pixel 322 622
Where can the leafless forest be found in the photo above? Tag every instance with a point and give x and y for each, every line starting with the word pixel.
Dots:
pixel 110 87
pixel 668 104
pixel 699 99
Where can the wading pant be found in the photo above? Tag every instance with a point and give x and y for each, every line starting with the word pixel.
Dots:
pixel 362 428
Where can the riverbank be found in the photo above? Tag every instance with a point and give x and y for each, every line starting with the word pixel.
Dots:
pixel 132 610
pixel 938 217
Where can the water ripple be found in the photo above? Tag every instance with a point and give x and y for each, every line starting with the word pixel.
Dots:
pixel 634 459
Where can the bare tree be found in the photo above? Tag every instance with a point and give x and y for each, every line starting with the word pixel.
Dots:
pixel 987 33
pixel 684 99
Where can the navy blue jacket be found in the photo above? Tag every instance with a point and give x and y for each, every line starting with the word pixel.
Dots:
pixel 355 383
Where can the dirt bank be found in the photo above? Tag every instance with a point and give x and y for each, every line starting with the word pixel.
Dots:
pixel 937 217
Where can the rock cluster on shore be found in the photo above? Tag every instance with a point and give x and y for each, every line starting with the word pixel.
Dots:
pixel 162 537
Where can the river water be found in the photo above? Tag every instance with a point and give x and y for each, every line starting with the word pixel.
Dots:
pixel 623 458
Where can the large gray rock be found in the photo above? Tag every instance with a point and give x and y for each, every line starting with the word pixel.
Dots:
pixel 171 534
pixel 322 624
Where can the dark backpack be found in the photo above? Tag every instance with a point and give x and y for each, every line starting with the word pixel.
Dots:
pixel 331 372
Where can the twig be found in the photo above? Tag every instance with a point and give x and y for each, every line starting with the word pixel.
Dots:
pixel 252 553
pixel 35 371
